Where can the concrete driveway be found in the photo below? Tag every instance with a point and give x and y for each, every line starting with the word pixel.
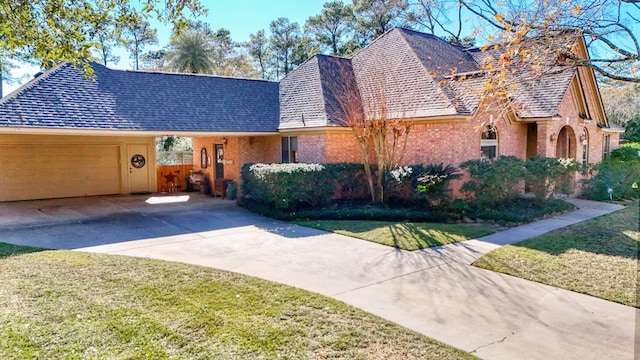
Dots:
pixel 491 315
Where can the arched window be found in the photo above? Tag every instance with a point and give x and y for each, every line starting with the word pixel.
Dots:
pixel 489 142
pixel 585 150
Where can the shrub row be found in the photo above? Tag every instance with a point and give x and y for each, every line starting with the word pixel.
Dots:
pixel 494 182
pixel 290 186
pixel 617 177
pixel 517 211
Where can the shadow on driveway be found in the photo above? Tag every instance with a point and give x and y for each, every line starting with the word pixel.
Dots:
pixel 82 222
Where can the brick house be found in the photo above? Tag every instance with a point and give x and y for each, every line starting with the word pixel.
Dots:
pixel 80 127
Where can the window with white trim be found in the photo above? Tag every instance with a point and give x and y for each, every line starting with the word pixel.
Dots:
pixel 489 142
pixel 584 137
pixel 289 149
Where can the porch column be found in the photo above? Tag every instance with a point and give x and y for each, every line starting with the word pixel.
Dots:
pixel 545 146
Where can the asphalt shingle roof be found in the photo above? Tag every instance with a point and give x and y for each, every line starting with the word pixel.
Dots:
pixel 314 94
pixel 410 72
pixel 301 98
pixel 536 95
pixel 131 100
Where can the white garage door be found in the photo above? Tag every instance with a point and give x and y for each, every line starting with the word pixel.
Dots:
pixel 42 171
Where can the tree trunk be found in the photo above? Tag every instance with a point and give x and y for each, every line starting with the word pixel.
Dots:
pixel 367 169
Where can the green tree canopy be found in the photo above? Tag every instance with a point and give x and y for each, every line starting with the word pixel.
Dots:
pixel 331 25
pixel 259 51
pixel 284 38
pixel 51 31
pixel 190 52
pixel 137 34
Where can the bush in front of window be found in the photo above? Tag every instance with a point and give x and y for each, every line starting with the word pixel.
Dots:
pixel 433 184
pixel 423 185
pixel 546 175
pixel 293 185
pixel 493 181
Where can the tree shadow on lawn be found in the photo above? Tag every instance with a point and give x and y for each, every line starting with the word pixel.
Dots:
pixel 615 234
pixel 420 238
pixel 409 236
pixel 623 244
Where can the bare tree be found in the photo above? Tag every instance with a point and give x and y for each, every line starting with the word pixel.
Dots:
pixel 370 109
pixel 610 29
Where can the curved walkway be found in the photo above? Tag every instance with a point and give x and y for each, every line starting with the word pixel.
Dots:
pixel 434 292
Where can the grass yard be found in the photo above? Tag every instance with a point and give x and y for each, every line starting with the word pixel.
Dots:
pixel 73 305
pixel 598 257
pixel 407 236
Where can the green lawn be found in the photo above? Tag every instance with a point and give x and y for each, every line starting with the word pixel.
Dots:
pixel 597 257
pixel 73 305
pixel 407 236
pixel 10 249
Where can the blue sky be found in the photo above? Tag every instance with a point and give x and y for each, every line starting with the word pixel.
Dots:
pixel 241 17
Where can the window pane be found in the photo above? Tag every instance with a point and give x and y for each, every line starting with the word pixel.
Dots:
pixel 490 152
pixel 285 149
pixel 294 143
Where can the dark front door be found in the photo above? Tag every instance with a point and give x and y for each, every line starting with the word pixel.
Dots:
pixel 532 140
pixel 219 152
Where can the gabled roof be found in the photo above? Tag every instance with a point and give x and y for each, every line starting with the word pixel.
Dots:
pixel 64 98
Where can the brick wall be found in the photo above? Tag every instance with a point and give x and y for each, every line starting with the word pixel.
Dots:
pixel 312 147
pixel 429 142
pixel 342 147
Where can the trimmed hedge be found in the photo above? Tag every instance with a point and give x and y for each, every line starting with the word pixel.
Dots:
pixel 518 211
pixel 292 186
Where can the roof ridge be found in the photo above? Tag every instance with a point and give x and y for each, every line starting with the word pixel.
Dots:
pixel 386 33
pixel 322 83
pixel 325 113
pixel 36 80
pixel 157 72
pixel 421 64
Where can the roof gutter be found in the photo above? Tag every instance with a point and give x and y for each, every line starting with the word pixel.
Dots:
pixel 609 130
pixel 141 133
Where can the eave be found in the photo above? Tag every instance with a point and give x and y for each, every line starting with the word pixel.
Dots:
pixel 110 132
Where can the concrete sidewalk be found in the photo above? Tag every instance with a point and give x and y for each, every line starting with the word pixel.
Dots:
pixel 436 293
pixel 467 252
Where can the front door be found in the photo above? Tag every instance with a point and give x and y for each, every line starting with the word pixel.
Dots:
pixel 219 152
pixel 138 165
pixel 532 140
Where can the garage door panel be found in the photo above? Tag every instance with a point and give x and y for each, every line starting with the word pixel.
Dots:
pixel 56 170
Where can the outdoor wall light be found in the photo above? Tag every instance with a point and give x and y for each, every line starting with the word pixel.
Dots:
pixel 224 141
pixel 553 137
